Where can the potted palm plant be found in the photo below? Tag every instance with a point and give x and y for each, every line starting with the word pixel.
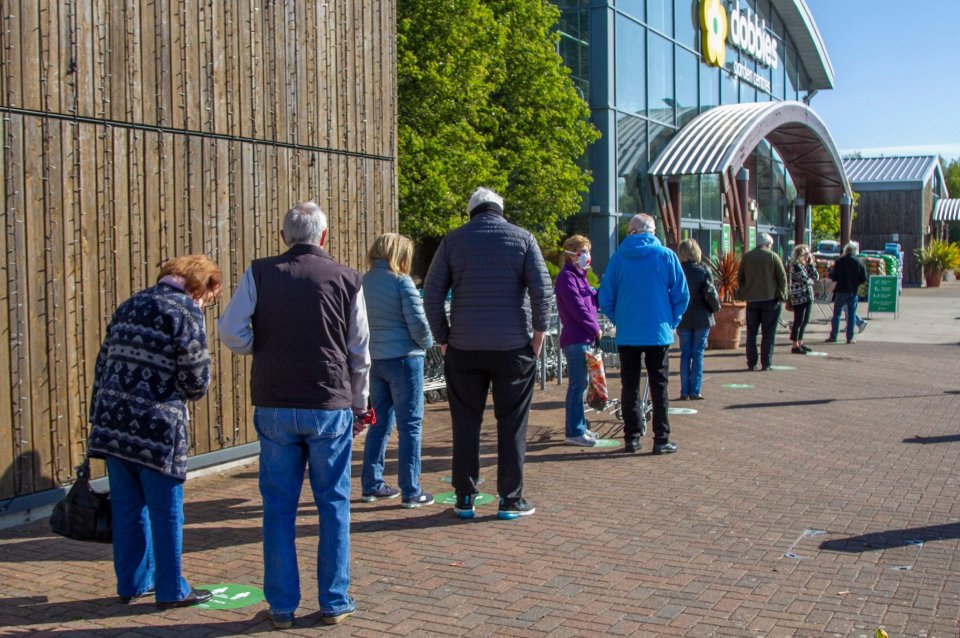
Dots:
pixel 936 258
pixel 731 317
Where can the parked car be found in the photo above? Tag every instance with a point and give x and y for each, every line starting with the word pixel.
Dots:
pixel 828 247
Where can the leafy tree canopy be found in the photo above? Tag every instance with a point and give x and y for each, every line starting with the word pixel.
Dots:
pixel 825 220
pixel 484 99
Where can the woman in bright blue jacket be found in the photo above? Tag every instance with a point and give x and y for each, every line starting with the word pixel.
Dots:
pixel 399 338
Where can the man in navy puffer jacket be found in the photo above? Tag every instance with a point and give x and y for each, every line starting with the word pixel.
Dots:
pixel 644 293
pixel 501 295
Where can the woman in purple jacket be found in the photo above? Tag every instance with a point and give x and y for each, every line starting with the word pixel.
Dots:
pixel 577 306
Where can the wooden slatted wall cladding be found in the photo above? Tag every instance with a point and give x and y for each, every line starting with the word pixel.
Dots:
pixel 140 130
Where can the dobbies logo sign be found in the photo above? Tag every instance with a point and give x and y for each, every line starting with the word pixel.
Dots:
pixel 713 26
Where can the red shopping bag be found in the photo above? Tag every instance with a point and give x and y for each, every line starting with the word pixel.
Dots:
pixel 597 388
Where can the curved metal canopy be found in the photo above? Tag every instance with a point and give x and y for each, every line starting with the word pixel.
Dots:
pixel 722 139
pixel 947 210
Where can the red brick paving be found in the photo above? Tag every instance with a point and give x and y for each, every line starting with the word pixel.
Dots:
pixel 863 445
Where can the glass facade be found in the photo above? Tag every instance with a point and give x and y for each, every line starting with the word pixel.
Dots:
pixel 657 82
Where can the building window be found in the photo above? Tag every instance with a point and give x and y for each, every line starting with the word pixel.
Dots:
pixel 688 24
pixel 709 87
pixel 632 163
pixel 660 16
pixel 630 68
pixel 690 196
pixel 633 7
pixel 687 85
pixel 573 46
pixel 712 204
pixel 660 78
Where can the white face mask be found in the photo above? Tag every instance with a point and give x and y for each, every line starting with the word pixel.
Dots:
pixel 583 258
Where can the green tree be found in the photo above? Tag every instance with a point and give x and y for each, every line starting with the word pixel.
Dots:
pixel 540 125
pixel 484 99
pixel 825 220
pixel 444 76
pixel 951 173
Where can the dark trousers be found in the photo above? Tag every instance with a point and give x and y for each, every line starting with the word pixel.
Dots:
pixel 801 317
pixel 761 316
pixel 470 374
pixel 657 360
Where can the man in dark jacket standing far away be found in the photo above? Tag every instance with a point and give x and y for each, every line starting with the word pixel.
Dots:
pixel 849 273
pixel 500 287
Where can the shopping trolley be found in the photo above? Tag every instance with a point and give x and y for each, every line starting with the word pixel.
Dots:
pixel 434 381
pixel 611 359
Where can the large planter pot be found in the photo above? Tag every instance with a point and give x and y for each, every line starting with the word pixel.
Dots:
pixel 933 277
pixel 730 321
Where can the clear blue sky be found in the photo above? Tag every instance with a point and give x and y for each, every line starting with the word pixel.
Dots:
pixel 896 88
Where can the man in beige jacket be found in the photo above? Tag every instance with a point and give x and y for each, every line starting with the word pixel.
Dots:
pixel 763 285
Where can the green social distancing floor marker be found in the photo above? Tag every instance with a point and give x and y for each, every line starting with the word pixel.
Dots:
pixel 681 411
pixel 450 498
pixel 607 443
pixel 738 386
pixel 231 596
pixel 814 353
pixel 783 367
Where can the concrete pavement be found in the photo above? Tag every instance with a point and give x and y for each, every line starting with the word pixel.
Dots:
pixel 821 501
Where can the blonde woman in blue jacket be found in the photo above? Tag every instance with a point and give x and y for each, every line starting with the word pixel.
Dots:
pixel 399 338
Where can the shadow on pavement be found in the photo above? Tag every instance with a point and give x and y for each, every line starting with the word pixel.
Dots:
pixel 37 610
pixel 784 404
pixel 878 541
pixel 945 438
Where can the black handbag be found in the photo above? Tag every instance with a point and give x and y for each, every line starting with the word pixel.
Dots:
pixel 83 514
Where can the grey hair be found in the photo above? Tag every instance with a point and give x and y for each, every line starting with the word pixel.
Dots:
pixel 305 223
pixel 851 248
pixel 642 223
pixel 765 239
pixel 483 195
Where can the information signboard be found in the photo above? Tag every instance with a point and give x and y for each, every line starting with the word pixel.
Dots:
pixel 726 238
pixel 751 238
pixel 882 294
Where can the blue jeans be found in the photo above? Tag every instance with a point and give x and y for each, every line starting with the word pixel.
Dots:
pixel 148 531
pixel 290 440
pixel 692 345
pixel 576 354
pixel 396 393
pixel 846 303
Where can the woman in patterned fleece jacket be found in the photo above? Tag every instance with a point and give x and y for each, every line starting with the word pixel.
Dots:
pixel 153 360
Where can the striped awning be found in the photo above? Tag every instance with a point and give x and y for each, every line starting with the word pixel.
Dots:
pixel 947 210
pixel 722 139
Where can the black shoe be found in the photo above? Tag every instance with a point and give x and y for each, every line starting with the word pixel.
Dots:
pixel 765 369
pixel 195 597
pixel 126 600
pixel 664 448
pixel 510 510
pixel 753 367
pixel 805 349
pixel 631 446
pixel 464 508
pixel 798 350
pixel 830 340
pixel 697 397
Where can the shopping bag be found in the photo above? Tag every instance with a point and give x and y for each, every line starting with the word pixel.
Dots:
pixel 597 396
pixel 83 514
